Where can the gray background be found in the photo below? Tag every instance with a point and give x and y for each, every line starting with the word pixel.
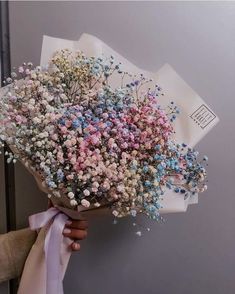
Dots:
pixel 193 252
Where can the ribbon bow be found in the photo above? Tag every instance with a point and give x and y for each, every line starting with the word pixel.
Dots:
pixel 55 245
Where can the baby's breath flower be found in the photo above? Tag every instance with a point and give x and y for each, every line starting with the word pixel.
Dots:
pixel 95 143
pixel 85 203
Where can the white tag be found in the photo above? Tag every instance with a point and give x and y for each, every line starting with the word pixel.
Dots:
pixel 196 118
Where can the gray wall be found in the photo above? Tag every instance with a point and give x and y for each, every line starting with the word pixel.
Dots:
pixel 193 252
pixel 3 224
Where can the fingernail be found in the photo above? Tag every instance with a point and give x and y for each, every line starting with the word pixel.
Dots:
pixel 76 246
pixel 69 222
pixel 66 231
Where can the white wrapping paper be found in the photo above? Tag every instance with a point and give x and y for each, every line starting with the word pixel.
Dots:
pixel 195 119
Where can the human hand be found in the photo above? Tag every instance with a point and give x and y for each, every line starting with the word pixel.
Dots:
pixel 75 230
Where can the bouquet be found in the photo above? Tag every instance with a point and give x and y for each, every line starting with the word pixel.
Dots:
pixel 91 145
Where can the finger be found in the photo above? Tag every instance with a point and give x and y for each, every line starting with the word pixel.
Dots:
pixel 50 204
pixel 75 246
pixel 75 234
pixel 77 224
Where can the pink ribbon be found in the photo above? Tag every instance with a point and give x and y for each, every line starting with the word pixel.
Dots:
pixel 55 245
